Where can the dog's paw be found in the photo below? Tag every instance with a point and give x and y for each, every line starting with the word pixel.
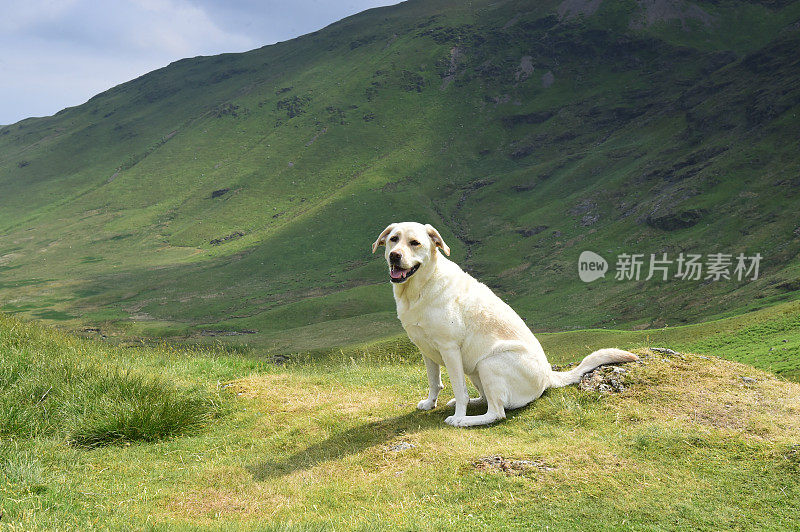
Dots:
pixel 455 421
pixel 426 404
pixel 473 421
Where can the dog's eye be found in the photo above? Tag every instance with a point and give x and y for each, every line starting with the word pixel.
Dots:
pixel 414 243
pixel 394 239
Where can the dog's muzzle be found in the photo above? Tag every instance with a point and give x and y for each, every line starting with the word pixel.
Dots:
pixel 399 275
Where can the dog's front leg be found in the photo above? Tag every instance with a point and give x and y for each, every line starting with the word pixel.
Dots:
pixel 434 384
pixel 455 369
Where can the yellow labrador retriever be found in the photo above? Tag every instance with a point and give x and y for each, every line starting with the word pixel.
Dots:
pixel 460 323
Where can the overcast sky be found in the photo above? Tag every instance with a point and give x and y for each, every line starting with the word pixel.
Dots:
pixel 59 53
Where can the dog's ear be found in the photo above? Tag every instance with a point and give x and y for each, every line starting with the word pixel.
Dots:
pixel 437 239
pixel 382 238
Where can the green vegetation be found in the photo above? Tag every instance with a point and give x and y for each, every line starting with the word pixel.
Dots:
pixel 54 385
pixel 333 440
pixel 227 204
pixel 241 192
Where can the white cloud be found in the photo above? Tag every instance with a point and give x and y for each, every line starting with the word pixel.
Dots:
pixel 180 29
pixel 18 16
pixel 59 53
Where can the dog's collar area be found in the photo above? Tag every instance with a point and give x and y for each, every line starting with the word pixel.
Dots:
pixel 398 274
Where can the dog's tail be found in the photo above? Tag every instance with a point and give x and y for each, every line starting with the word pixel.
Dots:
pixel 598 358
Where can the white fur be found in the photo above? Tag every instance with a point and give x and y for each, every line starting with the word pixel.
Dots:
pixel 460 323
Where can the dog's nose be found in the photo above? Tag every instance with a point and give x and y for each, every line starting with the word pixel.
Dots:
pixel 395 257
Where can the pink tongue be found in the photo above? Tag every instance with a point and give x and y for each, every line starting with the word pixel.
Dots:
pixel 397 273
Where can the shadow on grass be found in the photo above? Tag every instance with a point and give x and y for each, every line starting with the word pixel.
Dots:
pixel 359 438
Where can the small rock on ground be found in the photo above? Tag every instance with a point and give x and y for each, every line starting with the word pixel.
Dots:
pixel 663 350
pixel 401 446
pixel 605 379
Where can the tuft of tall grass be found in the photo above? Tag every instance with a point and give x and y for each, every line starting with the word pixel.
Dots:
pixel 21 469
pixel 57 385
pixel 122 406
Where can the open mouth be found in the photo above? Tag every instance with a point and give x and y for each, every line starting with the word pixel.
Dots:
pixel 398 274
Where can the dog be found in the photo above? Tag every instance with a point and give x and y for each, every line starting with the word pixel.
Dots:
pixel 459 323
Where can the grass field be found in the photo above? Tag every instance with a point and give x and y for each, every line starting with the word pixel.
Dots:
pixel 333 440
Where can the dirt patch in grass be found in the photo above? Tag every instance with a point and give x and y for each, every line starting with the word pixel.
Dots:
pixel 510 466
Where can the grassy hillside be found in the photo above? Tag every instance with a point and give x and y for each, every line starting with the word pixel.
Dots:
pixel 238 194
pixel 334 441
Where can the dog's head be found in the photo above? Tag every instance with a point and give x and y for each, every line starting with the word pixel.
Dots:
pixel 409 247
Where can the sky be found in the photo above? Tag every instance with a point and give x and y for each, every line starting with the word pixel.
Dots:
pixel 59 53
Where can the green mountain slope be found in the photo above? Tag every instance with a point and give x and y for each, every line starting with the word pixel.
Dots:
pixel 241 192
